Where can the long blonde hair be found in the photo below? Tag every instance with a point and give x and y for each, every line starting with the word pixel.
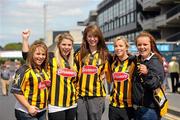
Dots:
pixel 59 38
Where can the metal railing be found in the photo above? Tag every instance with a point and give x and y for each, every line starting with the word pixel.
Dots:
pixel 174 37
pixel 173 11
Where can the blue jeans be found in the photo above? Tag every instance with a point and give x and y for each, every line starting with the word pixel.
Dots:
pixel 24 116
pixel 145 113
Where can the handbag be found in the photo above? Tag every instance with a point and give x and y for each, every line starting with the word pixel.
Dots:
pixel 161 100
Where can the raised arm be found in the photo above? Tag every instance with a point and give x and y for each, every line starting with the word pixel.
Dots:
pixel 25 42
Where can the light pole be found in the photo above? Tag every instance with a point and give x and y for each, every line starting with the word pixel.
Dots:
pixel 45 12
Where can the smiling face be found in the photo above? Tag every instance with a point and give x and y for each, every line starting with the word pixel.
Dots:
pixel 39 56
pixel 92 40
pixel 144 46
pixel 120 48
pixel 65 47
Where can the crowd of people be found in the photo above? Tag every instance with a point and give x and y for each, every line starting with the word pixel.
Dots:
pixel 69 85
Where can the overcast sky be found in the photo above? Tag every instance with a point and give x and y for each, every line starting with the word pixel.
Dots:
pixel 17 15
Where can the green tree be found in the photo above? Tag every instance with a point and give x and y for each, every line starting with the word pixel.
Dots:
pixel 13 46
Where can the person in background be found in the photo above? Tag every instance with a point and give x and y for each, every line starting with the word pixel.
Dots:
pixel 17 64
pixel 94 68
pixel 123 66
pixel 31 83
pixel 62 102
pixel 165 84
pixel 5 76
pixel 148 77
pixel 173 69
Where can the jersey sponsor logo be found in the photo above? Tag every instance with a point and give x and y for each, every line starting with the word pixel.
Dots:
pixel 66 72
pixel 44 84
pixel 89 69
pixel 48 83
pixel 120 76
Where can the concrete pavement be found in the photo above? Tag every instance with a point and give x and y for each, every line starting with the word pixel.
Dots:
pixel 7 107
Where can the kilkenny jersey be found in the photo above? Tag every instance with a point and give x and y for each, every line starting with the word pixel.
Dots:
pixel 91 73
pixel 63 79
pixel 32 84
pixel 121 95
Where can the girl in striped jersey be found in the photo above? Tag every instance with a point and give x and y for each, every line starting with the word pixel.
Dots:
pixel 62 70
pixel 62 97
pixel 123 66
pixel 93 67
pixel 30 86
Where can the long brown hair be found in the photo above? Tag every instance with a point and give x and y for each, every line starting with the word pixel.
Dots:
pixel 154 48
pixel 59 38
pixel 32 49
pixel 101 46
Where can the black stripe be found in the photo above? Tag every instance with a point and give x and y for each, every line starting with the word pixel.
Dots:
pixel 31 85
pixel 91 58
pixel 87 85
pixel 119 83
pixel 72 94
pixel 57 90
pixel 125 92
pixel 51 76
pixel 113 66
pixel 95 85
pixel 101 88
pixel 65 91
pixel 46 91
pixel 126 86
pixel 118 93
pixel 80 85
pixel 50 63
pixel 38 95
pixel 45 98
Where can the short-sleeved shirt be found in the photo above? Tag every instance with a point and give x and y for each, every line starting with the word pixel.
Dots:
pixel 30 83
pixel 5 74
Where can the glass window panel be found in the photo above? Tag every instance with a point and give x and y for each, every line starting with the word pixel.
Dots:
pixel 128 18
pixel 132 17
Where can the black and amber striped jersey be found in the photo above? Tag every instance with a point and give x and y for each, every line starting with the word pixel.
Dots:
pixel 121 94
pixel 91 73
pixel 32 84
pixel 63 81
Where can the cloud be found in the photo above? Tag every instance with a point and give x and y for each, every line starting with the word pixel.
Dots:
pixel 2 36
pixel 17 15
